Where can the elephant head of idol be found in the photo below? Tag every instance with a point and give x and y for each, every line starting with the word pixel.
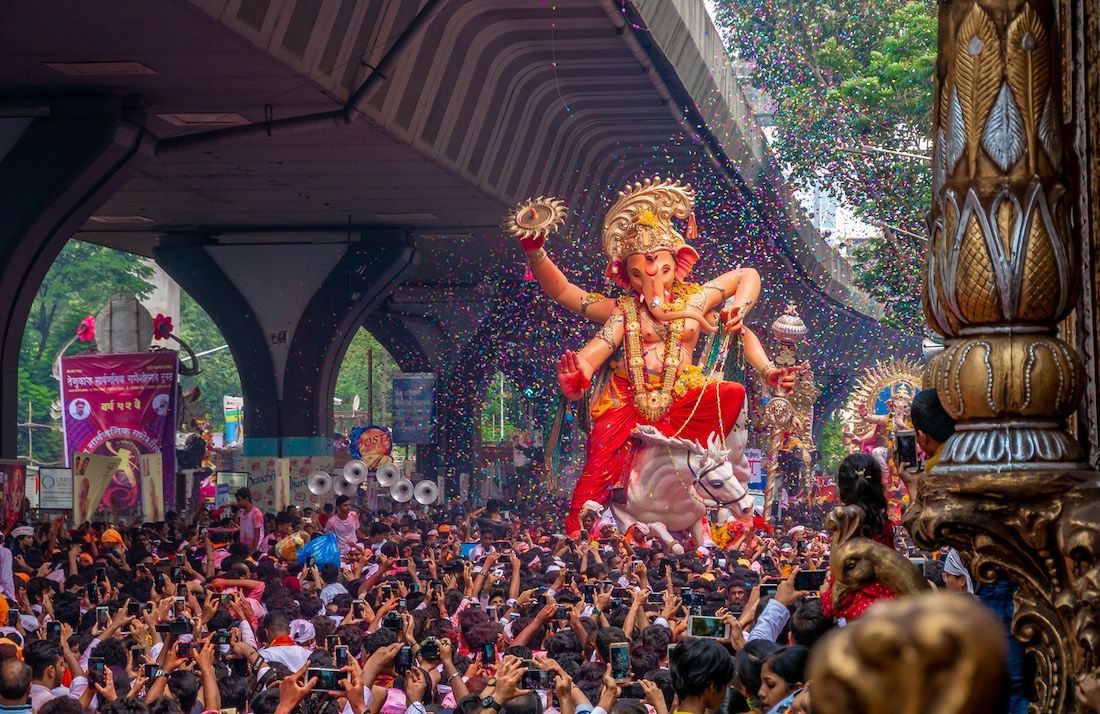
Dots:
pixel 646 254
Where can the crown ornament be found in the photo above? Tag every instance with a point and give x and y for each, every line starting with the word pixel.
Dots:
pixel 640 221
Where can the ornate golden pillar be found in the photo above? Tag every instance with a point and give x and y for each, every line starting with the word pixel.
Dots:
pixel 788 415
pixel 1012 490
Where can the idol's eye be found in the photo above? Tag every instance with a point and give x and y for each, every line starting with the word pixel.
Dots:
pixel 666 269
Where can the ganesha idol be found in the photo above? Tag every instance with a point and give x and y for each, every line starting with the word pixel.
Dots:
pixel 666 440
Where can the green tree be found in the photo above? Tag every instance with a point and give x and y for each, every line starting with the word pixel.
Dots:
pixel 218 376
pixel 848 78
pixel 830 446
pixel 355 377
pixel 492 405
pixel 78 284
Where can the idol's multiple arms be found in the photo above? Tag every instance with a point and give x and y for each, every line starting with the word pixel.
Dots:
pixel 743 285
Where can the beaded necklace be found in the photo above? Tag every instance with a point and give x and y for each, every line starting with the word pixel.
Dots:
pixel 653 403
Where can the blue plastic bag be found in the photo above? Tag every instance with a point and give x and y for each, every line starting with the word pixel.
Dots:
pixel 324 550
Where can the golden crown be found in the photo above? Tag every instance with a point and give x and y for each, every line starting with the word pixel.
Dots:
pixel 640 221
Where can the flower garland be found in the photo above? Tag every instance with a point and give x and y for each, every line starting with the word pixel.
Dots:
pixel 653 403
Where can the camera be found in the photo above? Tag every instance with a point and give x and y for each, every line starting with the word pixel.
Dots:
pixel 53 631
pixel 535 678
pixel 403 661
pixel 222 637
pixel 97 671
pixel 620 661
pixel 429 649
pixel 178 626
pixel 392 621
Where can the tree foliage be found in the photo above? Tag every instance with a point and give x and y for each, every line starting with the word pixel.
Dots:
pixel 493 404
pixel 847 78
pixel 78 284
pixel 830 446
pixel 354 378
pixel 218 376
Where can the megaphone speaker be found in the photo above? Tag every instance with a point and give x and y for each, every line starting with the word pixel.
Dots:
pixel 426 493
pixel 319 483
pixel 355 471
pixel 387 474
pixel 402 490
pixel 343 487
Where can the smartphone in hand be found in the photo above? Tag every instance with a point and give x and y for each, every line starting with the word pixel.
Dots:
pixel 620 661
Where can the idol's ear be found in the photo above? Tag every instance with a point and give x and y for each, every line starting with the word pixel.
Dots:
pixel 686 257
pixel 616 272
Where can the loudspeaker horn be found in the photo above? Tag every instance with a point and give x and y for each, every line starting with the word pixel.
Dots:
pixel 402 490
pixel 343 487
pixel 387 475
pixel 319 483
pixel 355 472
pixel 426 493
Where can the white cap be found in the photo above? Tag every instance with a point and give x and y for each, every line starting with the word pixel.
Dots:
pixel 302 631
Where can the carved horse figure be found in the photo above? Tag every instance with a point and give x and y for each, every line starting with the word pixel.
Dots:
pixel 673 482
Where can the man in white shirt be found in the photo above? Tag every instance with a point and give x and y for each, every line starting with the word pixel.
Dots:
pixel 47 662
pixel 7 576
pixel 281 647
pixel 330 575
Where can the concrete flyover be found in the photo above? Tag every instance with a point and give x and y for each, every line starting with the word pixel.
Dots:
pixel 305 167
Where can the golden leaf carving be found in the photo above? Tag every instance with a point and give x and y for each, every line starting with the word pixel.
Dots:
pixel 943 100
pixel 1028 54
pixel 975 285
pixel 977 75
pixel 947 266
pixel 1040 287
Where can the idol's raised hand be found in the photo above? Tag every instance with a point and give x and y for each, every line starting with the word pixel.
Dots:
pixel 574 375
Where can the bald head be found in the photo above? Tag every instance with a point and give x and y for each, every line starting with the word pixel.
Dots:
pixel 15 682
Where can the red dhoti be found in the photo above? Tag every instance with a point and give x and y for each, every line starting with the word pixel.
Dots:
pixel 710 409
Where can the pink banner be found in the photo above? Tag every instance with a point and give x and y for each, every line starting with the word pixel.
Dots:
pixel 13 482
pixel 123 405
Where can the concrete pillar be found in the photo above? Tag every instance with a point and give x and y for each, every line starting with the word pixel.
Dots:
pixel 56 169
pixel 288 312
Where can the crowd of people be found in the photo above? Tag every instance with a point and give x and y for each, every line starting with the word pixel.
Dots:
pixel 472 610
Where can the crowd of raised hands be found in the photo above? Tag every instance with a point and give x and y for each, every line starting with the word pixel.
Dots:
pixel 424 612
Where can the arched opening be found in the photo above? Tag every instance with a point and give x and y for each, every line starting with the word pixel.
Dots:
pixel 364 390
pixel 78 285
pixel 503 410
pixel 218 383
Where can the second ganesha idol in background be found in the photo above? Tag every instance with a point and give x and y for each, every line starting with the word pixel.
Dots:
pixel 640 392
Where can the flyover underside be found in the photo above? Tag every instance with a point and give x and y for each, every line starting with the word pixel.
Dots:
pixel 432 118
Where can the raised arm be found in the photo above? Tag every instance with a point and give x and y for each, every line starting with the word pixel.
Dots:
pixel 781 379
pixel 530 223
pixel 556 286
pixel 743 285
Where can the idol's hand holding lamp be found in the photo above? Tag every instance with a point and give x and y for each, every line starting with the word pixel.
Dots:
pixel 532 221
